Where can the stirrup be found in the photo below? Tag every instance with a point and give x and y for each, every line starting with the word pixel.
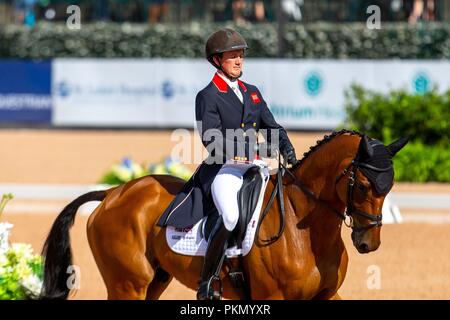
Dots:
pixel 210 293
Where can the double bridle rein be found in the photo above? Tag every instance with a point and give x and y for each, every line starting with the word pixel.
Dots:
pixel 350 210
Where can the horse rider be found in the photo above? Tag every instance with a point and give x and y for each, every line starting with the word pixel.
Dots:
pixel 228 103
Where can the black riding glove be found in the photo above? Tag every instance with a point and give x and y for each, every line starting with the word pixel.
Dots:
pixel 290 156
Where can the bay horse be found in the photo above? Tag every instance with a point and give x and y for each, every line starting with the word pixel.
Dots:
pixel 309 260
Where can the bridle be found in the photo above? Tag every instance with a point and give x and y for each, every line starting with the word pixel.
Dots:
pixel 350 210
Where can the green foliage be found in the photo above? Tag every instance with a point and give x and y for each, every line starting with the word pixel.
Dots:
pixel 417 162
pixel 387 117
pixel 128 170
pixel 317 40
pixel 21 272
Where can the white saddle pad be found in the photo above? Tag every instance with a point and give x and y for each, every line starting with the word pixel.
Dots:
pixel 190 242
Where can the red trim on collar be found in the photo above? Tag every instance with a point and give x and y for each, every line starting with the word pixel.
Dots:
pixel 221 85
pixel 242 85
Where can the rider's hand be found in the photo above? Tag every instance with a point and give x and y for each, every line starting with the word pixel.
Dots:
pixel 290 156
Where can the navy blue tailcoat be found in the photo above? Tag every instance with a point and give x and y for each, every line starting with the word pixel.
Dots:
pixel 217 108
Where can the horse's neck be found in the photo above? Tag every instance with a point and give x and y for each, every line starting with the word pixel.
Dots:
pixel 320 170
pixel 318 173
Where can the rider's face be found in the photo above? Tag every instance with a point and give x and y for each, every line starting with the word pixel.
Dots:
pixel 232 62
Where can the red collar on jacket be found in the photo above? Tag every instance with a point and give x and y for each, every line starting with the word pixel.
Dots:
pixel 222 86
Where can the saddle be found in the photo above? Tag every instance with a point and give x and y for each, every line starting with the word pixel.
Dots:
pixel 247 200
pixel 193 239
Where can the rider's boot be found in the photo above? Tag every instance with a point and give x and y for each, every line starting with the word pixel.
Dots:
pixel 215 254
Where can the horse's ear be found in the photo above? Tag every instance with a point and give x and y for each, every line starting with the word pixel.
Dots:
pixel 365 148
pixel 397 145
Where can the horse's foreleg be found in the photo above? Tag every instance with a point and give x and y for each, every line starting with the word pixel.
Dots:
pixel 159 283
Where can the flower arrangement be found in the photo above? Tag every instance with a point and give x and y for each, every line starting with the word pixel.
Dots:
pixel 172 167
pixel 21 271
pixel 128 170
pixel 123 172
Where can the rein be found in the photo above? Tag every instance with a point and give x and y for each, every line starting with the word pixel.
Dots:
pixel 350 210
pixel 278 189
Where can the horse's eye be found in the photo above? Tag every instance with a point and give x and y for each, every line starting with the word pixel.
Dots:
pixel 362 188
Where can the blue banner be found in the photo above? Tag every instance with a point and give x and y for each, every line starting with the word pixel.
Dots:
pixel 25 92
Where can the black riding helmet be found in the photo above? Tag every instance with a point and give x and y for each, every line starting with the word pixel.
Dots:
pixel 222 41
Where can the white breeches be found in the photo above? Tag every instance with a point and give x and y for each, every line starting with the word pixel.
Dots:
pixel 225 188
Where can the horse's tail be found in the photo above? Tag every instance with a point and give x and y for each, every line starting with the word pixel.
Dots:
pixel 57 252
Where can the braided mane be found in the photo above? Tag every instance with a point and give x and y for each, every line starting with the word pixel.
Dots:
pixel 324 140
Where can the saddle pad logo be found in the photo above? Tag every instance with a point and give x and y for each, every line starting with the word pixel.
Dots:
pixel 186 230
pixel 255 98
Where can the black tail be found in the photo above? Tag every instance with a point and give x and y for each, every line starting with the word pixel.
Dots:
pixel 57 252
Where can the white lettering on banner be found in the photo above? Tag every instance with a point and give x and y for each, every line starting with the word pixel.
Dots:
pixel 302 94
pixel 306 112
pixel 25 101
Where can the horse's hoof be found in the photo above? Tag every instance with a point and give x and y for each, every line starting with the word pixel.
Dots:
pixel 216 296
pixel 208 294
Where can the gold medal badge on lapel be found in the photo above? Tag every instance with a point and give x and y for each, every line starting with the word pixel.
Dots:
pixel 255 98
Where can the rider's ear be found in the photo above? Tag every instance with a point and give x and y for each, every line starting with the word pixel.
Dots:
pixel 365 148
pixel 397 145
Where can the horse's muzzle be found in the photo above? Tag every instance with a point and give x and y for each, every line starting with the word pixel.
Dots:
pixel 362 244
pixel 363 248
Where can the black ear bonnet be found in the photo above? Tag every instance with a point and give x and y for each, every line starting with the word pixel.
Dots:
pixel 377 167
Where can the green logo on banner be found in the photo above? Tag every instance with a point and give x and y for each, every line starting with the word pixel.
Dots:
pixel 421 83
pixel 313 83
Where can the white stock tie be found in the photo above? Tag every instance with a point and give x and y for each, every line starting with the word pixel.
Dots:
pixel 238 93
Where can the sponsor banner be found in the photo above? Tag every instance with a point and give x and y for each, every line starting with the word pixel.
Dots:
pixel 302 94
pixel 310 94
pixel 25 88
pixel 126 93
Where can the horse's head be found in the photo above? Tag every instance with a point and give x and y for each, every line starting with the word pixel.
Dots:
pixel 363 185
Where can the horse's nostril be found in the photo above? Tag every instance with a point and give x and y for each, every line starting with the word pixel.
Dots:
pixel 364 247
